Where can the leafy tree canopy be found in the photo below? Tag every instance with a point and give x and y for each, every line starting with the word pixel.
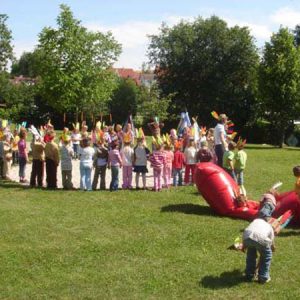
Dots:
pixel 208 66
pixel 6 49
pixel 279 82
pixel 75 65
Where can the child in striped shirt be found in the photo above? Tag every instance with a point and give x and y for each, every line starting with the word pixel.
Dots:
pixel 157 160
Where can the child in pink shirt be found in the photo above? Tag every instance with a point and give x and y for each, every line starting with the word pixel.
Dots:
pixel 167 170
pixel 157 159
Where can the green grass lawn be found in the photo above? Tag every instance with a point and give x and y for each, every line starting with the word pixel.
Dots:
pixel 139 245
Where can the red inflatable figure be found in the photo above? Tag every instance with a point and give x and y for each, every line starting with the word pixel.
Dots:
pixel 220 191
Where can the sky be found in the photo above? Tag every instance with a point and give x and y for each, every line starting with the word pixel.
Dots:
pixel 132 21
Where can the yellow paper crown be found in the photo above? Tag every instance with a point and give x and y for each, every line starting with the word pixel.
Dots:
pixel 241 142
pixel 127 138
pixel 157 141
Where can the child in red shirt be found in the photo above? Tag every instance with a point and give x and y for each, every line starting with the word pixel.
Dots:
pixel 178 164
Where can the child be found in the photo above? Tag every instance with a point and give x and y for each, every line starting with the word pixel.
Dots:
pixel 167 171
pixel 157 159
pixel 228 158
pixel 86 153
pixel 23 154
pixel 267 204
pixel 7 157
pixel 15 153
pixel 127 161
pixel 190 161
pixel 52 161
pixel 204 154
pixel 66 154
pixel 115 163
pixel 100 164
pixel 296 171
pixel 76 138
pixel 141 153
pixel 259 237
pixel 178 164
pixel 240 164
pixel 38 160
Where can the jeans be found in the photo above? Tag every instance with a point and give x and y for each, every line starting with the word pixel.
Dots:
pixel 76 150
pixel 114 184
pixel 99 171
pixel 22 167
pixel 66 177
pixel 37 173
pixel 266 210
pixel 85 176
pixel 264 261
pixel 239 176
pixel 177 173
pixel 232 174
pixel 219 150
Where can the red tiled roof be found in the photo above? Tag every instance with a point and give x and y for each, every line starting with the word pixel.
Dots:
pixel 129 73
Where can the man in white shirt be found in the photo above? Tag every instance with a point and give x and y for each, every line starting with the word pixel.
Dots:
pixel 259 236
pixel 220 139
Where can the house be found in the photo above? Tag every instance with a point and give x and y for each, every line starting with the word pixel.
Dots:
pixel 146 79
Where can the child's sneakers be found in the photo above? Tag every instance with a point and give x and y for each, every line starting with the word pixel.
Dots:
pixel 263 281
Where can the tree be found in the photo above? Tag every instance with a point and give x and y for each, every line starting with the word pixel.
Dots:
pixel 208 66
pixel 6 49
pixel 151 105
pixel 279 83
pixel 28 65
pixel 124 100
pixel 75 66
pixel 296 32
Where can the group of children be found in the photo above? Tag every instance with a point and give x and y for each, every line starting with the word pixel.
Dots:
pixel 104 148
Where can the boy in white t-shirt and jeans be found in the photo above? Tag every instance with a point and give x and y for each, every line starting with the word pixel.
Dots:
pixel 259 237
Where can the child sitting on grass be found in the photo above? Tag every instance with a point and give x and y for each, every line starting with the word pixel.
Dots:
pixel 228 160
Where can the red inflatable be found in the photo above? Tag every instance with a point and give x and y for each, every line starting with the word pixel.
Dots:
pixel 219 190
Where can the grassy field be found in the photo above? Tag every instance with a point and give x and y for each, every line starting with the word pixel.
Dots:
pixel 139 245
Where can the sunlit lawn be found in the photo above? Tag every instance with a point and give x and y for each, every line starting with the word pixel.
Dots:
pixel 137 245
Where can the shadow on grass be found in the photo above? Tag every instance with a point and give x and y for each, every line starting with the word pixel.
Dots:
pixel 11 184
pixel 225 280
pixel 188 208
pixel 289 233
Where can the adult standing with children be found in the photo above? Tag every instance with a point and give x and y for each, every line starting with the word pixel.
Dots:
pixel 220 139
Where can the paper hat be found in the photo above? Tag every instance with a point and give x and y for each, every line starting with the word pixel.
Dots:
pixel 127 137
pixel 66 137
pixel 241 143
pixel 157 142
pixel 232 135
pixel 178 144
pixel 139 133
pixel 76 126
pixel 167 140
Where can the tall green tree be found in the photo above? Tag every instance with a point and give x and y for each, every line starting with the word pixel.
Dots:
pixel 75 65
pixel 6 49
pixel 27 65
pixel 279 83
pixel 124 100
pixel 208 66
